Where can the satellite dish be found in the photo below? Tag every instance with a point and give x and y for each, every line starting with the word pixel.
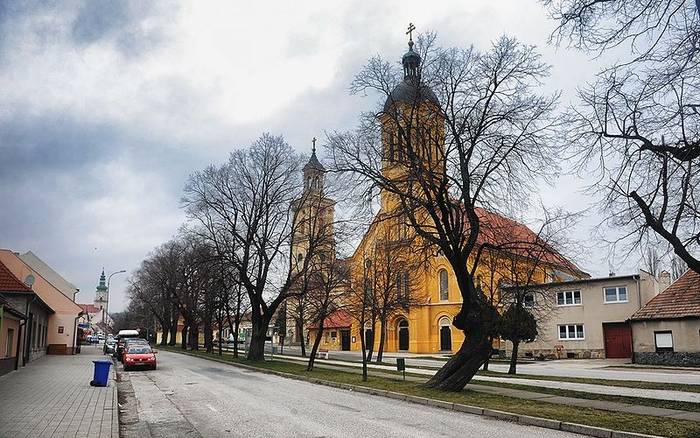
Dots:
pixel 29 281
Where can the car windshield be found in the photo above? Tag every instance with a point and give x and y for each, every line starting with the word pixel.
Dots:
pixel 139 349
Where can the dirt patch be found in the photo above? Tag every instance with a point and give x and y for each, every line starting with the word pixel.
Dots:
pixel 129 423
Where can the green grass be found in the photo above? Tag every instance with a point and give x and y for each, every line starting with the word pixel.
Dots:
pixel 667 404
pixel 593 417
pixel 606 382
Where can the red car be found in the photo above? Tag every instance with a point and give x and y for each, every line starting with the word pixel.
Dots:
pixel 139 356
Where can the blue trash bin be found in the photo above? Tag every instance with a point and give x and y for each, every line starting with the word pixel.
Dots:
pixel 101 376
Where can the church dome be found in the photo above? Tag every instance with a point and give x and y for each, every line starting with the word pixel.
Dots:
pixel 411 90
pixel 313 163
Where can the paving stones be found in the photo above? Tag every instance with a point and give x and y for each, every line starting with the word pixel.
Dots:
pixel 52 397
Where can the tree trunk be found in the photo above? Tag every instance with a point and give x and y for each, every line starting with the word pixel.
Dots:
pixel 256 351
pixel 514 358
pixel 370 349
pixel 364 352
pixel 235 338
pixel 173 335
pixel 464 364
pixel 382 339
pixel 314 348
pixel 486 364
pixel 183 335
pixel 164 336
pixel 194 337
pixel 300 324
pixel 208 336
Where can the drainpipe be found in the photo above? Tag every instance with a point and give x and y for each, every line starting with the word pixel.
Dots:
pixel 19 342
pixel 639 306
pixel 75 331
pixel 27 333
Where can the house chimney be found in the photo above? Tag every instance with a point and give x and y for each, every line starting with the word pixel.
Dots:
pixel 664 280
pixel 611 274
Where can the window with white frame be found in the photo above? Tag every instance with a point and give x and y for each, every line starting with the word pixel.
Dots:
pixel 615 294
pixel 663 341
pixel 569 298
pixel 529 300
pixel 571 331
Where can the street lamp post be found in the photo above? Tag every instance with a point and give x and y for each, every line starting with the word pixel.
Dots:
pixel 108 280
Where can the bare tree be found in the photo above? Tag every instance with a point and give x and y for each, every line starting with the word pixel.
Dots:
pixel 527 264
pixel 250 199
pixel 651 260
pixel 678 267
pixel 360 301
pixel 153 285
pixel 638 123
pixel 324 296
pixel 479 141
pixel 394 276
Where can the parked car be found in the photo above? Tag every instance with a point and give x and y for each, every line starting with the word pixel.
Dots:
pixel 122 336
pixel 129 342
pixel 138 355
pixel 110 346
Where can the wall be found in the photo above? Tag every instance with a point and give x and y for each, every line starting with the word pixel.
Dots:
pixel 7 363
pixel 593 312
pixel 65 310
pixel 686 341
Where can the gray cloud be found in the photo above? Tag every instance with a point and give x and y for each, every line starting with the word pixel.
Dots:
pixel 107 107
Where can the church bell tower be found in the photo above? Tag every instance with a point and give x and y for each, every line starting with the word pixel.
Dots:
pixel 102 294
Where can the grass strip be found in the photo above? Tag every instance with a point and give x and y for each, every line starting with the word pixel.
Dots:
pixel 606 382
pixel 669 427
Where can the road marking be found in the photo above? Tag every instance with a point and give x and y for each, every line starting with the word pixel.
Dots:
pixel 212 408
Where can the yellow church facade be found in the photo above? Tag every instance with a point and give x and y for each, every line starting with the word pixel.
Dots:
pixel 424 324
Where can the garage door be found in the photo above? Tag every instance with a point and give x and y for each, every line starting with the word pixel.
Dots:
pixel 618 340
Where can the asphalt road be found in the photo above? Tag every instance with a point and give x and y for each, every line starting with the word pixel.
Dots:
pixel 190 397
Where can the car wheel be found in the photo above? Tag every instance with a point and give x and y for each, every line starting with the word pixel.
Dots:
pixel 126 368
pixel 153 368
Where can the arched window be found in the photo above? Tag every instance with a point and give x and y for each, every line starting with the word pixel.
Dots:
pixel 300 258
pixel 392 147
pixel 444 285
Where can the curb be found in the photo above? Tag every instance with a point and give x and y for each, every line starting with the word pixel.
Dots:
pixel 546 423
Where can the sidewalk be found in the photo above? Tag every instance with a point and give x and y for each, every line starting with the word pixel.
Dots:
pixel 52 397
pixel 518 393
pixel 691 397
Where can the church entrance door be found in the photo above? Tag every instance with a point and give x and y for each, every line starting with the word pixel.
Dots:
pixel 345 340
pixel 403 335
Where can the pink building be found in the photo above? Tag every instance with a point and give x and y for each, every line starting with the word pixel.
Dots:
pixel 49 306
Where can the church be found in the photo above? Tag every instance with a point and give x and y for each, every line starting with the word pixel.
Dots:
pixel 428 295
pixel 97 313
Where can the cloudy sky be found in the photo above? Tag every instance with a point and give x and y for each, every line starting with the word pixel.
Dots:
pixel 107 107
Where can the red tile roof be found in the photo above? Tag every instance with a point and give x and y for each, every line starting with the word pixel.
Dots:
pixel 89 308
pixel 337 319
pixel 679 300
pixel 515 237
pixel 10 283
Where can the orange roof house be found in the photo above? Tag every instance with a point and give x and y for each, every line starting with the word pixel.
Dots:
pixel 665 331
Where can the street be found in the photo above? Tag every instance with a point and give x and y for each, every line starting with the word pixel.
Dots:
pixel 191 397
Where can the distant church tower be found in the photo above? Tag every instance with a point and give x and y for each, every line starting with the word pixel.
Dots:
pixel 314 212
pixel 313 224
pixel 102 295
